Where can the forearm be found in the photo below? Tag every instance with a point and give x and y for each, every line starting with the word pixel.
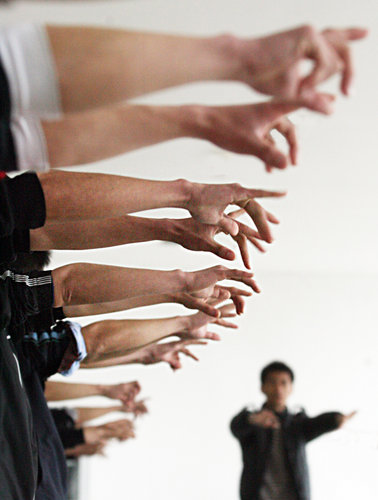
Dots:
pixel 58 391
pixel 113 339
pixel 119 305
pixel 70 195
pixel 140 356
pixel 99 233
pixel 135 63
pixel 83 283
pixel 94 135
pixel 86 414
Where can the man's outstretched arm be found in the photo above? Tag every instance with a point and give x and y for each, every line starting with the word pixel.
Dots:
pixel 126 229
pixel 59 391
pixel 314 427
pixel 167 352
pixel 113 339
pixel 94 135
pixel 88 58
pixel 69 196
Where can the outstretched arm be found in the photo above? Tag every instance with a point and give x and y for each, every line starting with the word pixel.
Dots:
pixel 114 339
pixel 58 391
pixel 93 283
pixel 314 427
pixel 94 135
pixel 87 59
pixel 168 352
pixel 86 414
pixel 99 233
pixel 69 196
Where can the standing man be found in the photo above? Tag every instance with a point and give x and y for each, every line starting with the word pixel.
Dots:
pixel 273 441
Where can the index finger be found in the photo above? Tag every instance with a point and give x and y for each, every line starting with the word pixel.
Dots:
pixel 260 218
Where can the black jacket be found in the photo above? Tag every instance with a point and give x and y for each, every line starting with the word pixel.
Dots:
pixel 298 429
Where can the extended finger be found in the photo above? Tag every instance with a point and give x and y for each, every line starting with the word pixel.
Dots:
pixel 287 129
pixel 241 241
pixel 189 354
pixel 191 342
pixel 259 217
pixel 201 305
pixel 227 311
pixel 211 336
pixel 228 225
pixel 239 303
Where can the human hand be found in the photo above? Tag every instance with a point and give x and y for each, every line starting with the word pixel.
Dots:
pixel 197 324
pixel 195 235
pixel 343 419
pixel 271 64
pixel 203 300
pixel 137 407
pixel 169 352
pixel 202 285
pixel 120 429
pixel 264 418
pixel 124 392
pixel 246 129
pixel 208 202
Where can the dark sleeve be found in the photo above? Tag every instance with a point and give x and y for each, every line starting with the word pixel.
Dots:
pixel 69 435
pixel 47 350
pixel 316 426
pixel 29 295
pixel 27 200
pixel 7 149
pixel 241 428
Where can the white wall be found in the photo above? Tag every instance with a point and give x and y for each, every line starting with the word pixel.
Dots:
pixel 318 307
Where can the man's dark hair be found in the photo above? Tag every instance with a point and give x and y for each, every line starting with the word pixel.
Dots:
pixel 276 366
pixel 32 261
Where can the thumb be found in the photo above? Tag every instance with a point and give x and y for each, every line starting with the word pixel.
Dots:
pixel 228 225
pixel 271 155
pixel 316 101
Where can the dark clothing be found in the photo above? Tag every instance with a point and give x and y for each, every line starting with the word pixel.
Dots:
pixel 18 447
pixel 255 441
pixel 41 355
pixel 8 155
pixel 69 435
pixel 52 483
pixel 31 297
pixel 22 207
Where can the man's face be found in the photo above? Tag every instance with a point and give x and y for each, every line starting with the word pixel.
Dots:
pixel 277 388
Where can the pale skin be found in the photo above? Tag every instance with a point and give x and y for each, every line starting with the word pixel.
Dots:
pixel 116 338
pixel 69 197
pixel 138 62
pixel 59 391
pixel 120 429
pixel 83 283
pixel 167 352
pixel 94 135
pixel 270 65
pixel 277 388
pixel 189 233
pixel 193 300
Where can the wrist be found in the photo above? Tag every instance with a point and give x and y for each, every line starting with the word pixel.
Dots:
pixel 101 390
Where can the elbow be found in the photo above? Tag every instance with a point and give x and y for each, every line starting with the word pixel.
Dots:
pixel 63 280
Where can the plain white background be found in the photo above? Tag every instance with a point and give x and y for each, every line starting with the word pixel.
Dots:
pixel 318 308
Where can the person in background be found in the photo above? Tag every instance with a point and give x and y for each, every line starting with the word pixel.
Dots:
pixel 273 440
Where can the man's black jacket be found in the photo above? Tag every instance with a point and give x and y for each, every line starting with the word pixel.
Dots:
pixel 298 429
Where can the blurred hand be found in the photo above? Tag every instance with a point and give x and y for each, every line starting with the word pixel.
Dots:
pixel 271 64
pixel 169 352
pixel 343 419
pixel 265 418
pixel 124 392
